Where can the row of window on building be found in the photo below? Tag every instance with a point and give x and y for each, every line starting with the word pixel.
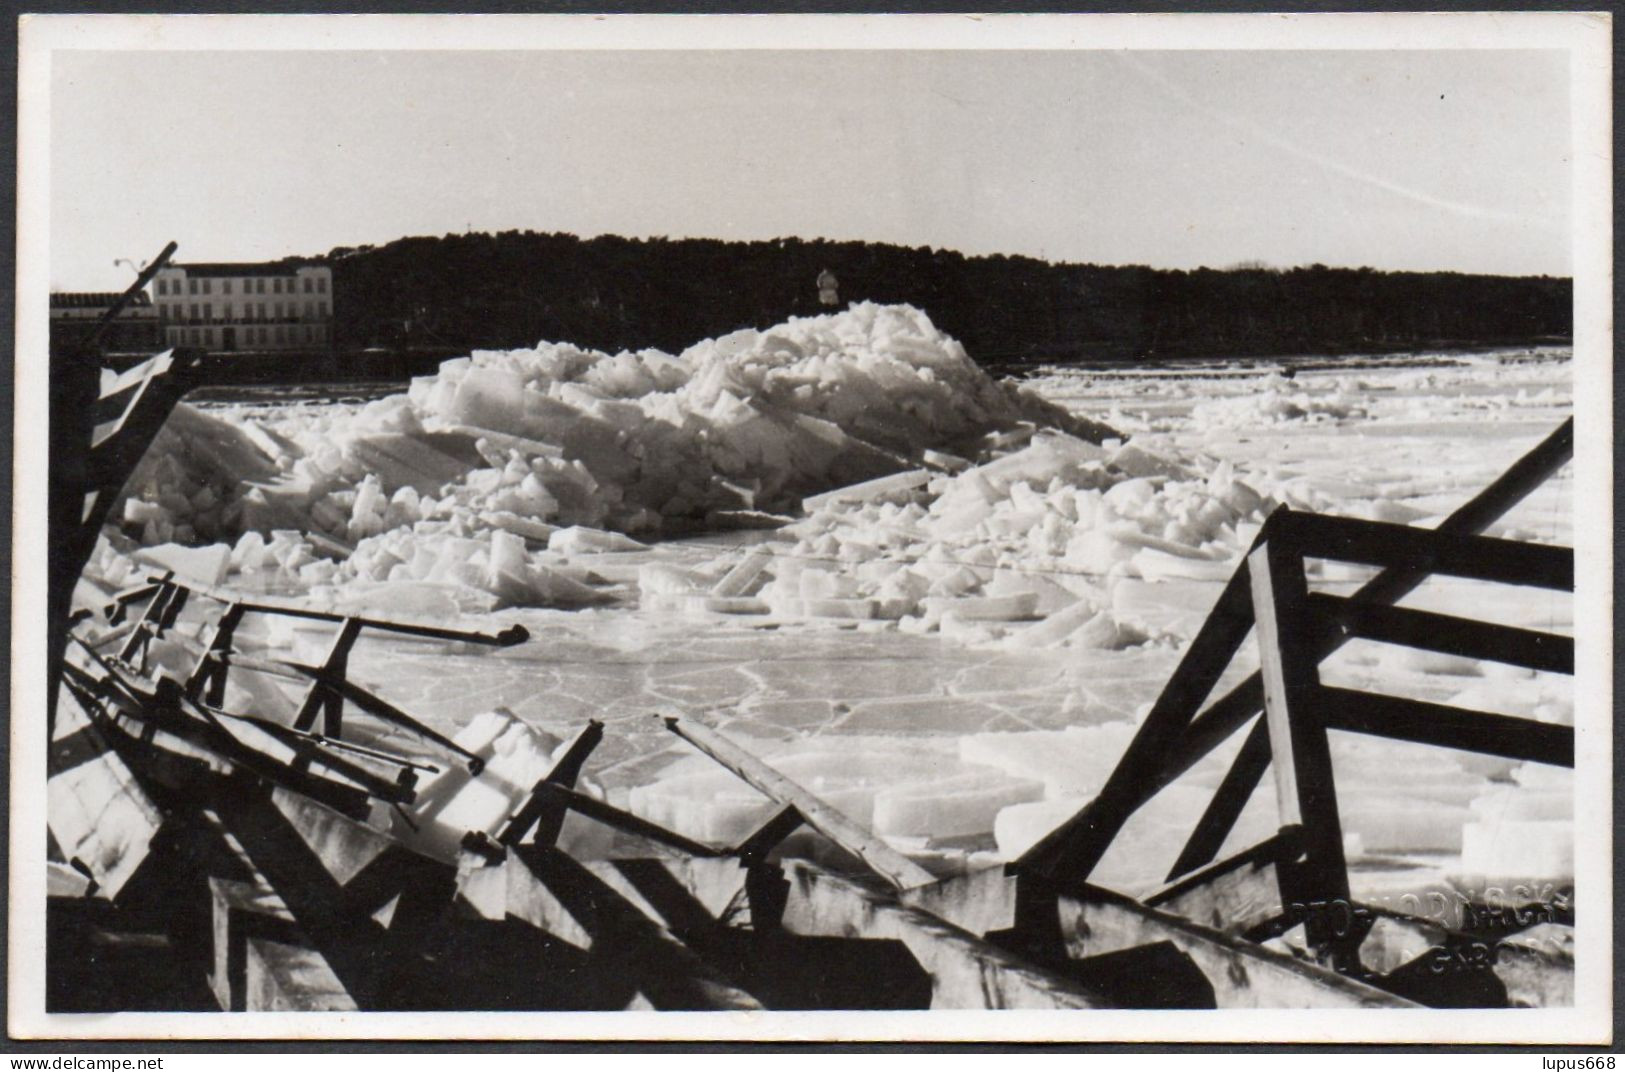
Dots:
pixel 204 312
pixel 250 336
pixel 205 285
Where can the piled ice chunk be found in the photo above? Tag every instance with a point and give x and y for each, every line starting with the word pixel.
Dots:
pixel 1031 544
pixel 556 437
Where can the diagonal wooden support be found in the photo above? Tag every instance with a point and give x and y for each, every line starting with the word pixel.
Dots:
pixel 371 704
pixel 1228 802
pixel 208 679
pixel 618 819
pixel 147 626
pixel 754 849
pixel 543 810
pixel 334 666
pixel 1073 849
pixel 884 860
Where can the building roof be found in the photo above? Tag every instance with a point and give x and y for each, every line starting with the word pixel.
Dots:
pixel 246 268
pixel 94 299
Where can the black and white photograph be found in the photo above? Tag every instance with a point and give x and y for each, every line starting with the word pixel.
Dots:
pixel 1053 528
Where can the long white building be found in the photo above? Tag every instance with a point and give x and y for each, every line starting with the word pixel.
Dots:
pixel 246 307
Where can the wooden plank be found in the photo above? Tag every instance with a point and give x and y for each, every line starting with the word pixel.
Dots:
pixel 97 810
pixel 1484 558
pixel 1234 895
pixel 557 894
pixel 513 634
pixel 335 664
pixel 1306 790
pixel 966 972
pixel 286 978
pixel 1229 800
pixel 1073 849
pixel 766 837
pixel 886 861
pixel 1449 727
pixel 1243 974
pixel 1447 633
pixel 979 902
pixel 624 821
pixel 1520 478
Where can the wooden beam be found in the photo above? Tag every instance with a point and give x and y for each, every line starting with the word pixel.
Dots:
pixel 559 895
pixel 1447 633
pixel 542 810
pixel 1448 727
pixel 884 860
pixel 1306 790
pixel 966 972
pixel 335 664
pixel 766 838
pixel 1234 895
pixel 1383 543
pixel 207 682
pixel 513 634
pixel 142 278
pixel 624 821
pixel 1243 974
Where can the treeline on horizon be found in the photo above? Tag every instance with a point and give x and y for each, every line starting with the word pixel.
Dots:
pixel 515 289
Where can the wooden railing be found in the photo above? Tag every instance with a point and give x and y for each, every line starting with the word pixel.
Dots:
pixel 1296 631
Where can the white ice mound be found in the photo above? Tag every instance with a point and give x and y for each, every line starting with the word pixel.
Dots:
pixel 556 437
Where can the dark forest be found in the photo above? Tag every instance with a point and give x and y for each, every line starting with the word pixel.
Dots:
pixel 517 288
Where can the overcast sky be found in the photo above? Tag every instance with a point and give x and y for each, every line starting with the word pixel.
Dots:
pixel 1413 160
